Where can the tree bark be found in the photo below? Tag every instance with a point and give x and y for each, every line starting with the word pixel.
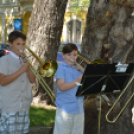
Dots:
pixel 109 35
pixel 44 32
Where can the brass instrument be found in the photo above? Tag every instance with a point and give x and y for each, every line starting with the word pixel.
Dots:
pixel 99 61
pixel 116 118
pixel 77 65
pixel 83 59
pixel 96 61
pixel 47 69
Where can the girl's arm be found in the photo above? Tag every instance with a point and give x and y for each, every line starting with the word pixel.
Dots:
pixel 4 80
pixel 66 86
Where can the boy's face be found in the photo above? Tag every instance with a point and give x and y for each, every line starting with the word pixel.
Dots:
pixel 18 44
pixel 68 56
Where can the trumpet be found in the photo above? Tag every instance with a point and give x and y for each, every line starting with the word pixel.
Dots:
pixel 46 69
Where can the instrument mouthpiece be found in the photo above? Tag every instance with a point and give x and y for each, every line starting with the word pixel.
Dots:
pixel 72 60
pixel 21 51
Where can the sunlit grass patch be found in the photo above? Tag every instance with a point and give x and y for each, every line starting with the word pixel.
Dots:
pixel 41 117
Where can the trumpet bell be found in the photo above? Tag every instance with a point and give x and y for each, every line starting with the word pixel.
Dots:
pixel 97 61
pixel 48 68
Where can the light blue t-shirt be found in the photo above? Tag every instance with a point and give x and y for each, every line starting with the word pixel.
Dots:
pixel 67 100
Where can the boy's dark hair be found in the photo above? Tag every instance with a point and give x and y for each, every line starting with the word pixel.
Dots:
pixel 15 35
pixel 67 48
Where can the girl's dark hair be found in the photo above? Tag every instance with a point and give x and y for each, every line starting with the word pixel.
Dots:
pixel 15 35
pixel 67 48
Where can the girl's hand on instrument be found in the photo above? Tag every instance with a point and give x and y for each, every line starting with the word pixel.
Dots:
pixel 79 78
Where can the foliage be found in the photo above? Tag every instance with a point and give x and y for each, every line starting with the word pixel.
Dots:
pixel 78 5
pixel 41 117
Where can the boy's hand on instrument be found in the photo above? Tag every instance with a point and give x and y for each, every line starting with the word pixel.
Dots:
pixel 24 60
pixel 77 68
pixel 25 67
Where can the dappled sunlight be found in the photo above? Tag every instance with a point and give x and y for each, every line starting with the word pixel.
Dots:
pixel 41 117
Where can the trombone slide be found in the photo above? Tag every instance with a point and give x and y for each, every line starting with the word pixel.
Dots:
pixel 37 74
pixel 77 65
pixel 130 98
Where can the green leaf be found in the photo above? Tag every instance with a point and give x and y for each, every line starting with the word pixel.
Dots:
pixel 77 5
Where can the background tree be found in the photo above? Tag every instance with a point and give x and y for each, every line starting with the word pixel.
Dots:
pixel 109 35
pixel 44 32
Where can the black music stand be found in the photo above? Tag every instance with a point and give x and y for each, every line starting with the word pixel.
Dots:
pixel 103 79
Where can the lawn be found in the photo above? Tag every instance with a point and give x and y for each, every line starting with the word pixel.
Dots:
pixel 41 117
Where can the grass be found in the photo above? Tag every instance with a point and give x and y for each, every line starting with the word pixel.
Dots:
pixel 41 117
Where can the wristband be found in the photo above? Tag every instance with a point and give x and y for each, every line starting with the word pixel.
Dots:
pixel 78 84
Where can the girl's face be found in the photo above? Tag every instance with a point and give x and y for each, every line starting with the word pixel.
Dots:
pixel 72 55
pixel 18 44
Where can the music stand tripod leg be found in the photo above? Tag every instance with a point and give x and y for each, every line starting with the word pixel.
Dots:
pixel 99 115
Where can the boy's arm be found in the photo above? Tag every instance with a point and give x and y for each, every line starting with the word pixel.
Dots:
pixel 4 79
pixel 31 76
pixel 66 86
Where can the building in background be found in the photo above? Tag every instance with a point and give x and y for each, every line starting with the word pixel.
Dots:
pixel 14 15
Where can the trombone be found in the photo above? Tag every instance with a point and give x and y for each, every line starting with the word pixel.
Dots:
pixel 116 118
pixel 47 69
pixel 96 61
pixel 99 61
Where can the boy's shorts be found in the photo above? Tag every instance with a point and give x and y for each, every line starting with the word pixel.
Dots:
pixel 66 123
pixel 14 123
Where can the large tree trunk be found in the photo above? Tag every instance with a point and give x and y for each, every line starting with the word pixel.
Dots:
pixel 44 32
pixel 109 35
